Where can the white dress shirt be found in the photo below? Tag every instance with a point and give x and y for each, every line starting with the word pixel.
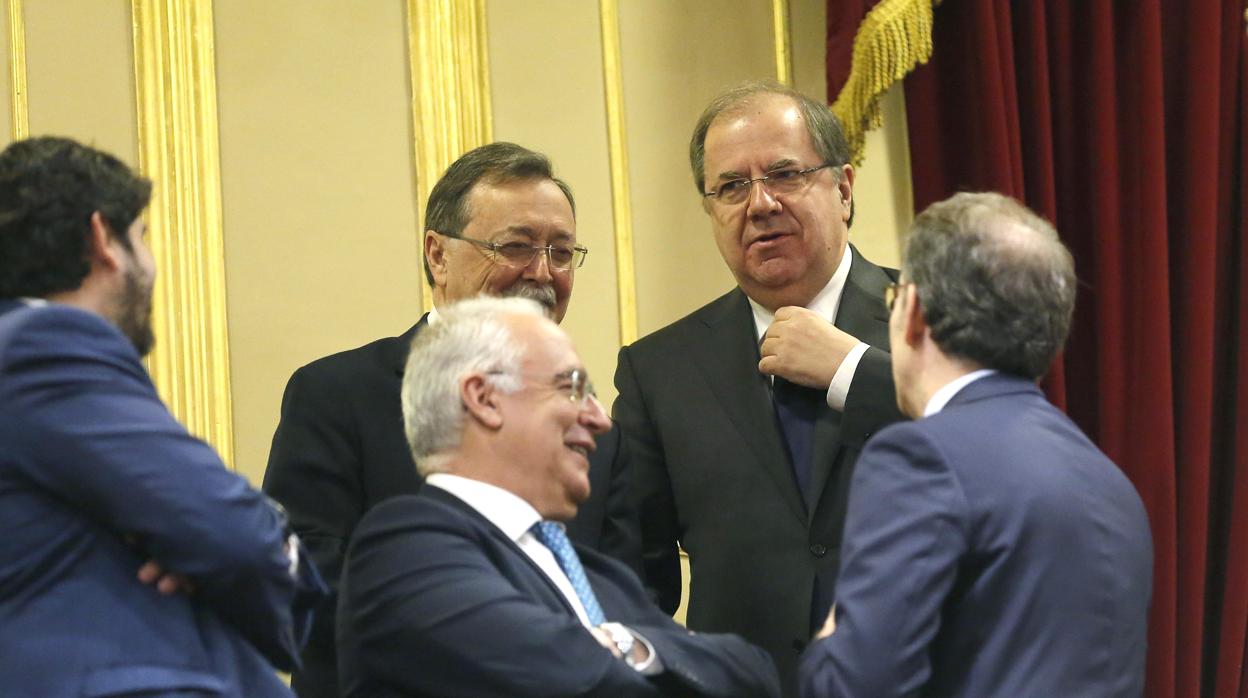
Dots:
pixel 825 304
pixel 945 393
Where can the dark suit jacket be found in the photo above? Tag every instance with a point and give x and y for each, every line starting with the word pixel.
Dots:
pixel 340 449
pixel 96 477
pixel 711 470
pixel 990 550
pixel 437 601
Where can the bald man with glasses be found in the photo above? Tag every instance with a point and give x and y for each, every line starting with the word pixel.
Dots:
pixel 498 223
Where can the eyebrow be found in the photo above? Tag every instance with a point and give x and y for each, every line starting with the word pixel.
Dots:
pixel 526 231
pixel 778 164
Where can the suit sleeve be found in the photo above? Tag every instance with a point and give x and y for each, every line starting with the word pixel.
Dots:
pixel 871 403
pixel 107 446
pixel 904 534
pixel 621 527
pixel 651 488
pixel 427 611
pixel 314 471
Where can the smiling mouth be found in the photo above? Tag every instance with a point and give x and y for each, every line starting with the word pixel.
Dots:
pixel 581 449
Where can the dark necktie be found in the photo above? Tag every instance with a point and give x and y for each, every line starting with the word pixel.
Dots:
pixel 797 408
pixel 552 535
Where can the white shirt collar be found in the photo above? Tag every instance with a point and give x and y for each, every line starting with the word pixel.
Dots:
pixel 941 397
pixel 433 316
pixel 34 302
pixel 826 302
pixel 511 514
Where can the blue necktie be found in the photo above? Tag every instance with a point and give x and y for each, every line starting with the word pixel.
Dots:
pixel 552 535
pixel 797 408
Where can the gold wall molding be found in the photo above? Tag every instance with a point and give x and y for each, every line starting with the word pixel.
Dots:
pixel 617 148
pixel 783 40
pixel 450 92
pixel 176 91
pixel 17 70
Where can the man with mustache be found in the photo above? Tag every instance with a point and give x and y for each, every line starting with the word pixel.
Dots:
pixel 497 223
pixel 133 561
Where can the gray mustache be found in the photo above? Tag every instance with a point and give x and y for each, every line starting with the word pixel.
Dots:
pixel 542 293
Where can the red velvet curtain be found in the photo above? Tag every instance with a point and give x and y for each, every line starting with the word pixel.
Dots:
pixel 1124 123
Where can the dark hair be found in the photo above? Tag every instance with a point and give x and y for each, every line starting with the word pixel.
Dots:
pixel 495 163
pixel 49 187
pixel 824 128
pixel 995 283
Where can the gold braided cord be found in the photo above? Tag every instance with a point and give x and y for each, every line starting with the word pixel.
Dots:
pixel 894 37
pixel 450 91
pixel 176 92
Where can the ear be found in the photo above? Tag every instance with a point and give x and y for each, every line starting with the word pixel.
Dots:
pixel 480 401
pixel 915 328
pixel 435 257
pixel 102 248
pixel 845 186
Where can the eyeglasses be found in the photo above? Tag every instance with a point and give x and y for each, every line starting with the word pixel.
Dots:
pixel 575 383
pixel 735 191
pixel 520 255
pixel 892 292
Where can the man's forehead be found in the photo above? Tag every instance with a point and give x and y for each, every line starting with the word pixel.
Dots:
pixel 536 207
pixel 767 133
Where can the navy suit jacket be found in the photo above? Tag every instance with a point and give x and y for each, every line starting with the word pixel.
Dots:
pixel 437 601
pixel 96 477
pixel 990 550
pixel 340 449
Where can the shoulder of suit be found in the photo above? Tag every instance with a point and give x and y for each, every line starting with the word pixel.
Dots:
pixel 77 329
pixel 676 332
pixel 378 355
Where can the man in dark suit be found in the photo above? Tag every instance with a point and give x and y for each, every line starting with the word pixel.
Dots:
pixel 471 587
pixel 990 548
pixel 498 222
pixel 132 562
pixel 744 418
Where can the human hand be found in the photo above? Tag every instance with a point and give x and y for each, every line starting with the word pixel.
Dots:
pixel 604 639
pixel 166 583
pixel 804 348
pixel 829 626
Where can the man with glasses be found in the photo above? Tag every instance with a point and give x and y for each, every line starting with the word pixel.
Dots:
pixel 498 223
pixel 471 587
pixel 744 419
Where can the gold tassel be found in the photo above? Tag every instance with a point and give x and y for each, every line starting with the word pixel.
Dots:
pixel 894 37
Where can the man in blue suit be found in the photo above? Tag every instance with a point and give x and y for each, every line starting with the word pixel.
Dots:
pixel 990 548
pixel 132 562
pixel 471 587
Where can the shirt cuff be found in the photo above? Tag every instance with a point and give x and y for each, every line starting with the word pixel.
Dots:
pixel 652 664
pixel 838 391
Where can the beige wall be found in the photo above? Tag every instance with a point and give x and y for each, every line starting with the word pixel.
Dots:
pixel 321 237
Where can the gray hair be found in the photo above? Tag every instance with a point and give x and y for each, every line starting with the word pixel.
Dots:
pixel 995 283
pixel 824 128
pixel 494 163
pixel 469 337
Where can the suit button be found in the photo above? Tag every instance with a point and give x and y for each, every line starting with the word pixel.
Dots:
pixel 818 550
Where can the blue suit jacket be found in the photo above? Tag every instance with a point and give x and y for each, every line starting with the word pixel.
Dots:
pixel 96 477
pixel 990 550
pixel 437 601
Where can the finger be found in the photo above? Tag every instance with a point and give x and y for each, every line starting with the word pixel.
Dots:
pixel 149 572
pixel 168 584
pixel 769 365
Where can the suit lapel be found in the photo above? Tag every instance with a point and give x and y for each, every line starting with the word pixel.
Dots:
pixel 502 538
pixel 862 314
pixel 727 354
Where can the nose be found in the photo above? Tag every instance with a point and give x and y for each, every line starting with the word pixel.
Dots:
pixel 594 416
pixel 539 268
pixel 761 202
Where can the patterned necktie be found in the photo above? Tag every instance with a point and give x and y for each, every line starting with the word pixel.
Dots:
pixel 552 535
